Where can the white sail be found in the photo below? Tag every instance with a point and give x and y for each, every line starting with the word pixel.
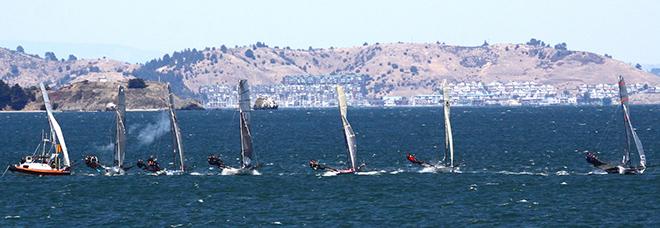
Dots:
pixel 349 135
pixel 60 144
pixel 638 143
pixel 120 137
pixel 630 130
pixel 449 140
pixel 176 131
pixel 247 152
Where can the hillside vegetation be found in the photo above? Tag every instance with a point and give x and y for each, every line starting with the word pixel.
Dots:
pixel 395 68
pixel 97 96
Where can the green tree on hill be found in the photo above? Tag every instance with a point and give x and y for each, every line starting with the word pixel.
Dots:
pixel 50 56
pixel 18 97
pixel 561 46
pixel 5 98
pixel 261 45
pixel 20 49
pixel 166 59
pixel 13 69
pixel 72 58
pixel 535 42
pixel 249 54
pixel 136 83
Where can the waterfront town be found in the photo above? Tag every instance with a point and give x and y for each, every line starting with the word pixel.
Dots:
pixel 319 91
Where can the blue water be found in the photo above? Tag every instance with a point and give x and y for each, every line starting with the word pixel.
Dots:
pixel 513 161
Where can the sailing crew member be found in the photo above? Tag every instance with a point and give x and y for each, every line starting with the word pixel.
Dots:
pixel 215 160
pixel 151 165
pixel 92 162
pixel 314 164
pixel 593 160
pixel 413 159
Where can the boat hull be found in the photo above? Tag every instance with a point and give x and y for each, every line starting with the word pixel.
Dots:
pixel 40 172
pixel 626 170
pixel 345 171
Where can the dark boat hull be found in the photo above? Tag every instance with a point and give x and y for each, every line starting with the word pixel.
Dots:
pixel 624 170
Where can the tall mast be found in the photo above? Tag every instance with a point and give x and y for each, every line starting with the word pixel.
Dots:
pixel 120 137
pixel 630 131
pixel 449 140
pixel 349 135
pixel 247 153
pixel 176 132
pixel 57 137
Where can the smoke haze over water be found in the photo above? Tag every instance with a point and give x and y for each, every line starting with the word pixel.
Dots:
pixel 152 131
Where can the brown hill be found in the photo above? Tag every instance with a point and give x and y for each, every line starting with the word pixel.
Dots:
pixel 409 68
pixel 95 96
pixel 395 68
pixel 28 70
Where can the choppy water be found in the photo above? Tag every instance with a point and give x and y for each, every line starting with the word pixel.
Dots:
pixel 521 166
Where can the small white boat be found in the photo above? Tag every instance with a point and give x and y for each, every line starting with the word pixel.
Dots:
pixel 51 156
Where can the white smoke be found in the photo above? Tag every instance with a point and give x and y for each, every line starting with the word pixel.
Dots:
pixel 107 147
pixel 153 131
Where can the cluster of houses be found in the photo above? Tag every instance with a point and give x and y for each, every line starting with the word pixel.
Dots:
pixel 319 91
pixel 295 91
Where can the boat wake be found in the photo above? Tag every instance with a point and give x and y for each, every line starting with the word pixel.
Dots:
pixel 329 174
pixel 363 173
pixel 439 169
pixel 371 173
pixel 169 173
pixel 397 171
pixel 597 172
pixel 234 171
pixel 521 173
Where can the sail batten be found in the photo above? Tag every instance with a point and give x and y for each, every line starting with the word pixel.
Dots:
pixel 58 137
pixel 349 134
pixel 176 131
pixel 247 152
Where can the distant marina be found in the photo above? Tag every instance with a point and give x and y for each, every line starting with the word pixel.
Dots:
pixel 318 91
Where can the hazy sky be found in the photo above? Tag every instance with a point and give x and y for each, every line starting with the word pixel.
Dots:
pixel 135 30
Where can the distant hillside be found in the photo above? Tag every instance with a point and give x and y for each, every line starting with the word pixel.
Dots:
pixel 17 67
pixel 397 68
pixel 95 96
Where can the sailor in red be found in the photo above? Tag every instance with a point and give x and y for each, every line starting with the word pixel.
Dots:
pixel 414 160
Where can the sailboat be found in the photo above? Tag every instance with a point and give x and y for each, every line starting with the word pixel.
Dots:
pixel 51 156
pixel 349 138
pixel 117 167
pixel 447 163
pixel 248 156
pixel 177 145
pixel 625 167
